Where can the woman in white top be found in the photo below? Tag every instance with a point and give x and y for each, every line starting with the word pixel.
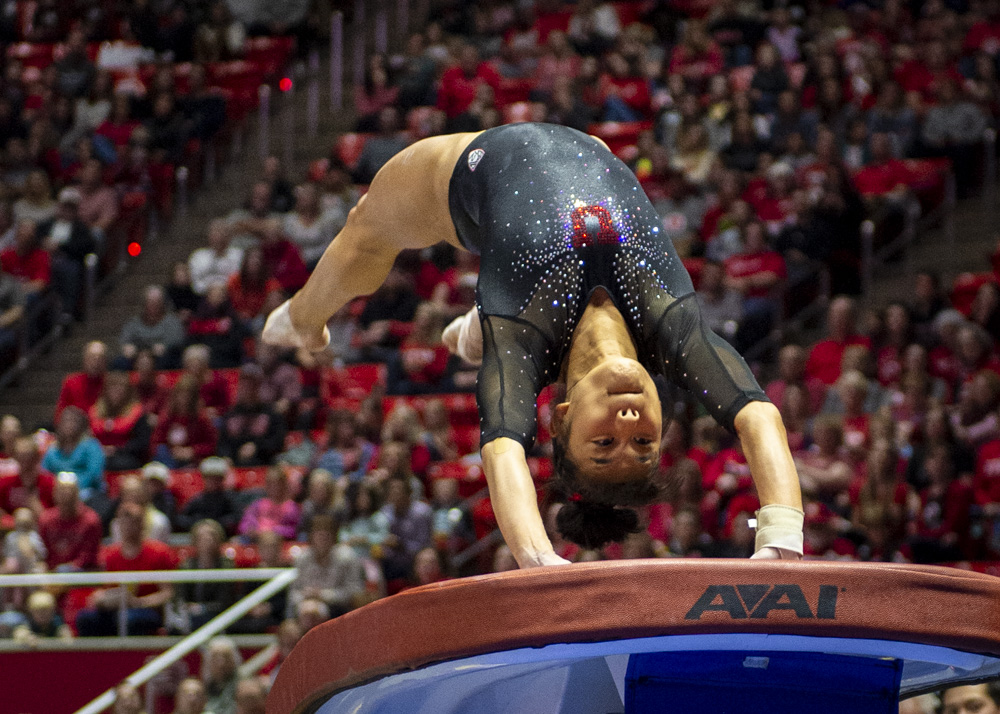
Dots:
pixel 307 226
pixel 37 203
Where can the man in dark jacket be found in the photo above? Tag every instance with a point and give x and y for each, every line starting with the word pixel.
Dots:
pixel 69 240
pixel 215 501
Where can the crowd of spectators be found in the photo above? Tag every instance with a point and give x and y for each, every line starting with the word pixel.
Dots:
pixel 99 103
pixel 764 137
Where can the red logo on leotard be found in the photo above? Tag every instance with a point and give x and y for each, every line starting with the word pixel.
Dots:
pixel 582 233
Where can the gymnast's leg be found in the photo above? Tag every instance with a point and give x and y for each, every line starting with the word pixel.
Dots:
pixel 406 207
pixel 355 263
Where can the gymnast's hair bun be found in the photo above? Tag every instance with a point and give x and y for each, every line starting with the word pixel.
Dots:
pixel 593 525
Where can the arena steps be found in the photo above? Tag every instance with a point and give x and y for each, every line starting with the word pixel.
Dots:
pixel 33 396
pixel 975 239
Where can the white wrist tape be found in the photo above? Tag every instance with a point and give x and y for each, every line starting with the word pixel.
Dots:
pixel 779 527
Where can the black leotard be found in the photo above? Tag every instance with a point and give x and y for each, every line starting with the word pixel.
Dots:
pixel 555 215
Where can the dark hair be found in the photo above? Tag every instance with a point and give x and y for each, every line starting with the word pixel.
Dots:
pixel 354 489
pixel 592 517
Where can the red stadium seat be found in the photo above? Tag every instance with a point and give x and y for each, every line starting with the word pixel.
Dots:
pixel 354 382
pixel 243 556
pixel 466 438
pixel 32 54
pixel 113 479
pixel 619 134
pixel 269 51
pixel 470 477
pixel 249 477
pixel 628 12
pixel 462 408
pixel 514 90
pixel 185 484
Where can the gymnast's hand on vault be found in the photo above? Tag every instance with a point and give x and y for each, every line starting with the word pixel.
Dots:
pixel 545 559
pixel 769 553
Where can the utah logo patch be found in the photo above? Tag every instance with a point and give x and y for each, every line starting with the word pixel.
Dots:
pixel 475 156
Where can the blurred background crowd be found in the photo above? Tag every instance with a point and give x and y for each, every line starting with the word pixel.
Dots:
pixel 769 136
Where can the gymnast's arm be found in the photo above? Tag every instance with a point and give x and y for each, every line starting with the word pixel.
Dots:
pixel 709 367
pixel 516 363
pixel 515 503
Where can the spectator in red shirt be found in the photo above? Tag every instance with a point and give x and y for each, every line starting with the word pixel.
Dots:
pixel 974 418
pixel 897 335
pixel 27 261
pixel 145 602
pixel 216 325
pixel 558 60
pixel 374 94
pixel 822 470
pixel 884 177
pixel 184 433
pixel 249 288
pixel 150 384
pixel 215 392
pixel 118 127
pixel 756 272
pixel 941 530
pixel 284 259
pixel 459 83
pixel 852 389
pixel 697 57
pixel 984 35
pixel 792 370
pixel 120 423
pixel 83 388
pixel 423 358
pixel 825 356
pixel 922 75
pixel 624 89
pixel 71 530
pixel 32 486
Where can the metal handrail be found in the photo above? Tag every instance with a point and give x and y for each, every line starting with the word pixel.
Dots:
pixel 131 577
pixel 197 638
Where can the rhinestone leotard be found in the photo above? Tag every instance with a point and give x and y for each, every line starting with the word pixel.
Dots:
pixel 555 215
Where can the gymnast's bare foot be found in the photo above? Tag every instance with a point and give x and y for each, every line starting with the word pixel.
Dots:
pixel 279 331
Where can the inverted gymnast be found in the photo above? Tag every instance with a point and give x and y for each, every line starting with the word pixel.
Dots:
pixel 577 285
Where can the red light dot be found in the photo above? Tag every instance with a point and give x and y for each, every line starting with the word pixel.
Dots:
pixel 285 84
pixel 134 249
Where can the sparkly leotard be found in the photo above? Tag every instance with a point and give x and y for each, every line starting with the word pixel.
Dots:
pixel 555 215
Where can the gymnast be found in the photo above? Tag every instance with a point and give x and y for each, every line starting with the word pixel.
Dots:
pixel 577 285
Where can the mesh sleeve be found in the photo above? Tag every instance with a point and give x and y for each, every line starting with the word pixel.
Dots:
pixel 706 365
pixel 516 366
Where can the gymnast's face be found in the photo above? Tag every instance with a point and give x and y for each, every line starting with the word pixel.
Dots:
pixel 611 422
pixel 969 699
